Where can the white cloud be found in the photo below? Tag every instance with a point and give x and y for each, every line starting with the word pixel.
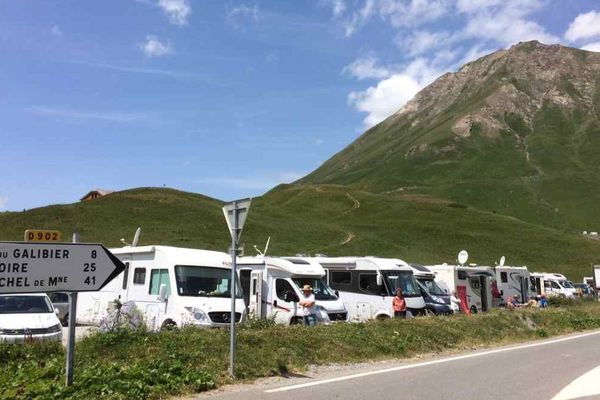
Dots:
pixel 55 31
pixel 505 22
pixel 366 68
pixel 153 47
pixel 338 7
pixel 3 202
pixel 584 26
pixel 592 47
pixel 319 141
pixel 421 42
pixel 238 16
pixel 399 13
pixel 470 6
pixel 178 11
pixel 62 113
pixel 389 95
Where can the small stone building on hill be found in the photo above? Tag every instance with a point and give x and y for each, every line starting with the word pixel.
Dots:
pixel 96 193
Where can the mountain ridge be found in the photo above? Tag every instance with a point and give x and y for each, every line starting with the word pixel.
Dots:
pixel 520 121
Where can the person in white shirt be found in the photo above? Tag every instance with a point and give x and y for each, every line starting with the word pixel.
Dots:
pixel 308 306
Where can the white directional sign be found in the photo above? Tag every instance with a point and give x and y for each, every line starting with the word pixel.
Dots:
pixel 55 267
pixel 239 208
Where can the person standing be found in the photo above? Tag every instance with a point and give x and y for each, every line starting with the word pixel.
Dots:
pixel 399 304
pixel 308 306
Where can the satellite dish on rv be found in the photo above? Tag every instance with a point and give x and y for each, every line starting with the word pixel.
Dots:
pixel 463 256
pixel 136 237
pixel 502 261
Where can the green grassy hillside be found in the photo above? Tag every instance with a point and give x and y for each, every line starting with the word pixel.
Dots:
pixel 318 219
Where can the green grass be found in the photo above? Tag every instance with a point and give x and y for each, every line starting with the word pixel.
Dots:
pixel 141 365
pixel 319 219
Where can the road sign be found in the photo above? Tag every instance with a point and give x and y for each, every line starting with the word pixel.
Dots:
pixel 235 215
pixel 42 235
pixel 239 208
pixel 55 267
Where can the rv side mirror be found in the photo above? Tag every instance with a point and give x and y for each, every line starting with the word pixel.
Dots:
pixel 379 279
pixel 162 292
pixel 290 297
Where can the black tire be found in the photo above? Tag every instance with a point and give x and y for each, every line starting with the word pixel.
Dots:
pixel 473 310
pixel 168 325
pixel 382 317
pixel 297 321
pixel 65 320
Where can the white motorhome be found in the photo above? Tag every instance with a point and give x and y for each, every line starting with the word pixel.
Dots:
pixel 473 285
pixel 513 281
pixel 553 284
pixel 272 288
pixel 367 285
pixel 171 286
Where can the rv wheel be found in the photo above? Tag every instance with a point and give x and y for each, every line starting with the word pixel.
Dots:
pixel 473 310
pixel 168 325
pixel 382 317
pixel 297 321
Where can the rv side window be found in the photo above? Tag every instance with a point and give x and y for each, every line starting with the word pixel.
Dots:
pixel 125 275
pixel 555 285
pixel 159 277
pixel 282 287
pixel 368 284
pixel 503 277
pixel 547 284
pixel 139 276
pixel 462 275
pixel 475 284
pixel 340 277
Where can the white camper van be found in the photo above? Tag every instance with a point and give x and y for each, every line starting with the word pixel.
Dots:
pixel 553 284
pixel 171 286
pixel 513 281
pixel 367 285
pixel 473 285
pixel 272 288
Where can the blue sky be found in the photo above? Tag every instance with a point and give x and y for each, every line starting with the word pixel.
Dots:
pixel 227 98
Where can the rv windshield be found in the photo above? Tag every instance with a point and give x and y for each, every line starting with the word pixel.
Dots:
pixel 431 287
pixel 320 288
pixel 404 280
pixel 204 281
pixel 566 284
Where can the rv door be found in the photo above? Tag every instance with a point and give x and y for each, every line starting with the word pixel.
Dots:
pixel 255 306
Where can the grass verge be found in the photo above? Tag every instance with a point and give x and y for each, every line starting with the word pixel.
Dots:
pixel 142 365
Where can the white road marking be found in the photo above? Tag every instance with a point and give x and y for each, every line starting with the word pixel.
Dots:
pixel 586 385
pixel 427 363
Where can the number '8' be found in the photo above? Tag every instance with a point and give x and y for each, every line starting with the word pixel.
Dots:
pixel 93 253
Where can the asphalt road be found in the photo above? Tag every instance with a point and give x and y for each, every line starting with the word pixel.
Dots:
pixel 557 369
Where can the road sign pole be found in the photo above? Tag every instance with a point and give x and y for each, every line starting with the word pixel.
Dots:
pixel 72 323
pixel 71 337
pixel 232 340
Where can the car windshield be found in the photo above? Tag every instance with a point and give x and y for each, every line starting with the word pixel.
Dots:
pixel 204 281
pixel 431 287
pixel 320 288
pixel 404 280
pixel 566 284
pixel 25 305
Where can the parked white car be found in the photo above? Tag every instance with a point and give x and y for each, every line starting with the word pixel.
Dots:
pixel 28 317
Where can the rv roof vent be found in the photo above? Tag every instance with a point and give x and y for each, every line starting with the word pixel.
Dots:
pixel 297 261
pixel 320 255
